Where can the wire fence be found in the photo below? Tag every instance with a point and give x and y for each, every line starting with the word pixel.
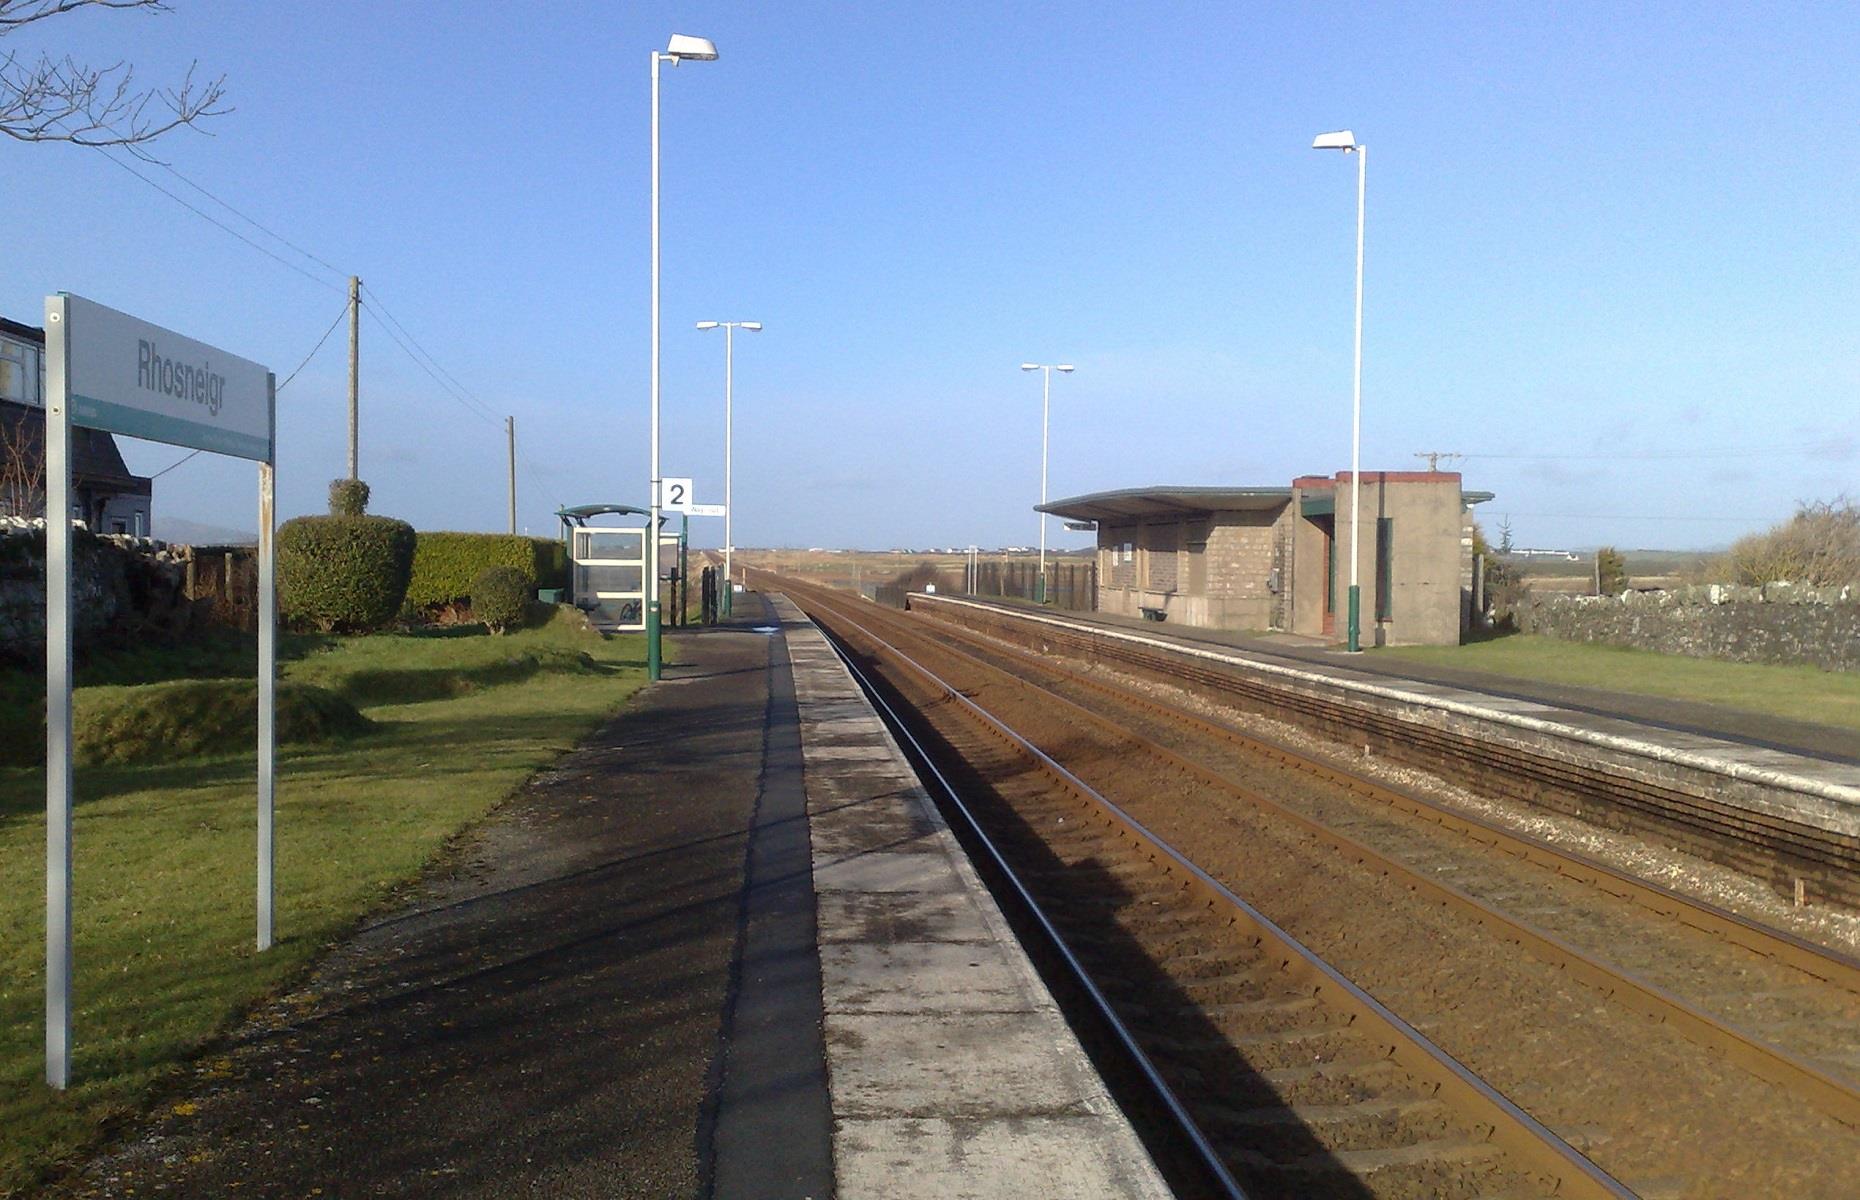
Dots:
pixel 1069 585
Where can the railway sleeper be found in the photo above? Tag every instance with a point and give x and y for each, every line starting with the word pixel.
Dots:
pixel 1446 1168
pixel 1775 850
pixel 1359 1125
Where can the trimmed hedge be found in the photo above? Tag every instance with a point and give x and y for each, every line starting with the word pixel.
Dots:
pixel 346 574
pixel 348 498
pixel 499 597
pixel 446 565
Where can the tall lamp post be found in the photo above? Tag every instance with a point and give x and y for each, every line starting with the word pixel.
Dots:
pixel 1346 141
pixel 1046 408
pixel 682 48
pixel 729 420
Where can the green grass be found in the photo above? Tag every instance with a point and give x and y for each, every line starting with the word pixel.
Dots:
pixel 195 718
pixel 164 858
pixel 1800 693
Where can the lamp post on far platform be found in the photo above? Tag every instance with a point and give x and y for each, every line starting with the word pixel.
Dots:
pixel 1346 141
pixel 729 420
pixel 1046 408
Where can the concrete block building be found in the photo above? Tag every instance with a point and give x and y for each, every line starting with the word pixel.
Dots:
pixel 1278 558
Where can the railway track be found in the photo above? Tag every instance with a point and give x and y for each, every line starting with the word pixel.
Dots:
pixel 1761 1050
pixel 1787 854
pixel 1205 979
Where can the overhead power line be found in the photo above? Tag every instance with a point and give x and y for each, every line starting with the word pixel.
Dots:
pixel 210 219
pixel 340 313
pixel 396 330
pixel 253 221
pixel 462 398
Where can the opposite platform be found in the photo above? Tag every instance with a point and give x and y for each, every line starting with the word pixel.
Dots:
pixel 1783 815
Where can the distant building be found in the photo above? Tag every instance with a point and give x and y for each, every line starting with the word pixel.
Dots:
pixel 1278 558
pixel 104 495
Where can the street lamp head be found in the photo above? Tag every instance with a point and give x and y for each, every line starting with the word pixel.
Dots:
pixel 684 47
pixel 1066 367
pixel 1030 366
pixel 707 324
pixel 1342 140
pixel 752 326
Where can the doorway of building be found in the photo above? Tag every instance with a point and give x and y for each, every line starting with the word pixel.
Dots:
pixel 1329 527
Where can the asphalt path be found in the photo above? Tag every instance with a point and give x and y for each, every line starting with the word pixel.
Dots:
pixel 552 1012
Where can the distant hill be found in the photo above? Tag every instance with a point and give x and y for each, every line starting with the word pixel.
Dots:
pixel 194 533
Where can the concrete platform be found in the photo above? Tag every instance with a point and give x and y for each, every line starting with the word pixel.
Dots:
pixel 1788 809
pixel 724 949
pixel 952 1072
pixel 1702 717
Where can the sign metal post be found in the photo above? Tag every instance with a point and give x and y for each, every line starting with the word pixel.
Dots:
pixel 112 372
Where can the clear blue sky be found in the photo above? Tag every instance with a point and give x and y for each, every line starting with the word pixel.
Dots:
pixel 1596 237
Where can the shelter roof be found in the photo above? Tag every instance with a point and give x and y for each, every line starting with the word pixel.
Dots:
pixel 1126 503
pixel 583 512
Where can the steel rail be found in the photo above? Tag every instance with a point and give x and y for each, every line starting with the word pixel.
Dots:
pixel 1821 962
pixel 1532 1145
pixel 1767 1061
pixel 1208 1158
pixel 1712 823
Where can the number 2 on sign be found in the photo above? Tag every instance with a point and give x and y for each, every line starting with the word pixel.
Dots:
pixel 676 493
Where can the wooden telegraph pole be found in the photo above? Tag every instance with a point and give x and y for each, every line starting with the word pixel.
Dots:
pixel 355 373
pixel 510 432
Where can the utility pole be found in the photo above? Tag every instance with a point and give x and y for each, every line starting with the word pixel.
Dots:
pixel 510 431
pixel 355 372
pixel 1433 457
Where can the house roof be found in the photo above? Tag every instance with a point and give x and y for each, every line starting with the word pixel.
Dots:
pixel 95 460
pixel 25 333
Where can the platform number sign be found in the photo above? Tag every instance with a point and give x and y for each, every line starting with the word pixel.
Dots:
pixel 675 494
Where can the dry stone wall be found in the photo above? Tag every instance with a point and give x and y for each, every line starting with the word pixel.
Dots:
pixel 121 587
pixel 1777 623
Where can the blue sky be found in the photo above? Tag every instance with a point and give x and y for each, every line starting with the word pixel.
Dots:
pixel 1612 255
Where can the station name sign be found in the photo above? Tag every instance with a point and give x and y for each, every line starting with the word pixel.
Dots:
pixel 127 376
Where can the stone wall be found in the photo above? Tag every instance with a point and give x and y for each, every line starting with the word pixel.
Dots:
pixel 122 588
pixel 1778 623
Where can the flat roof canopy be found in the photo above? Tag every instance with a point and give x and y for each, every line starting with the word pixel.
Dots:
pixel 1126 503
pixel 582 513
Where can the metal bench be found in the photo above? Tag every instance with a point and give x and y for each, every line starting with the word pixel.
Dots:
pixel 1152 614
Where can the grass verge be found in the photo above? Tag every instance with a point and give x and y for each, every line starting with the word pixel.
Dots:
pixel 1799 693
pixel 164 857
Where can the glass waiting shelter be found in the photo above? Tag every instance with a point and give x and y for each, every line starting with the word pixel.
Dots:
pixel 607 563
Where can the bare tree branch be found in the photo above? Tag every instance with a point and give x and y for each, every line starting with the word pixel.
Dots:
pixel 22 469
pixel 62 100
pixel 14 13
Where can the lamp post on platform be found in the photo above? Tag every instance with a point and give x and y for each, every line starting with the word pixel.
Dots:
pixel 1345 141
pixel 682 48
pixel 729 510
pixel 1046 408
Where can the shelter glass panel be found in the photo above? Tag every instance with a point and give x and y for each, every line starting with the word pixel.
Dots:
pixel 625 544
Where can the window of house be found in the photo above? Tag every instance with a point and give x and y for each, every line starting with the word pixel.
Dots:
pixel 20 372
pixel 1385 567
pixel 141 523
pixel 1130 553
